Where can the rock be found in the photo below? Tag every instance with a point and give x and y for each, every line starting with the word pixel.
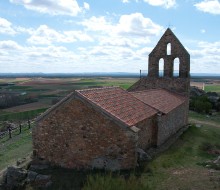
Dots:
pixel 195 91
pixel 43 181
pixel 217 161
pixel 198 125
pixel 21 161
pixel 142 155
pixel 31 176
pixel 15 177
pixel 36 167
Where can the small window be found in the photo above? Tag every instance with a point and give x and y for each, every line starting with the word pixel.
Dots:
pixel 161 67
pixel 169 49
pixel 176 67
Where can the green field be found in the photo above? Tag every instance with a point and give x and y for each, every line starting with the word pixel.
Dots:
pixel 212 88
pixel 19 146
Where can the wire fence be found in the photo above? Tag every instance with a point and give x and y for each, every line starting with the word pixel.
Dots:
pixel 12 127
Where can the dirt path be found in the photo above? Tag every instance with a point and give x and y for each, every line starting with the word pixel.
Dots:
pixel 210 123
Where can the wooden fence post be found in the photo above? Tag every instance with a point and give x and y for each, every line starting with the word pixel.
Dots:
pixel 29 124
pixel 9 132
pixel 19 127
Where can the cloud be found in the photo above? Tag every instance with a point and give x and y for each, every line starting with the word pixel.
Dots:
pixel 137 25
pixel 97 24
pixel 206 57
pixel 209 6
pixel 163 3
pixel 86 6
pixel 44 35
pixel 9 45
pixel 203 31
pixel 52 7
pixel 128 25
pixel 125 1
pixel 6 27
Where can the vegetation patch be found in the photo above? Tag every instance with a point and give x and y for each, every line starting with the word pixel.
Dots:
pixel 21 115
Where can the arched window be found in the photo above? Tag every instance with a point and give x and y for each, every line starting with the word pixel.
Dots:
pixel 176 67
pixel 161 67
pixel 169 49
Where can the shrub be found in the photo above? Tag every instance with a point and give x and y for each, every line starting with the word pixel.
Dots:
pixel 110 182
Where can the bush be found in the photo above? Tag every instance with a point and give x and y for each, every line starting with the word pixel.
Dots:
pixel 200 104
pixel 110 182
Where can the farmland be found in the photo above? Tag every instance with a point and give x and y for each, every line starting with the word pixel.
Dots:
pixel 47 91
pixel 176 168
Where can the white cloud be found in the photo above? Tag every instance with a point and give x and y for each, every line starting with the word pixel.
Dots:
pixel 137 25
pixel 120 40
pixel 125 1
pixel 209 6
pixel 203 31
pixel 164 3
pixel 6 27
pixel 44 35
pixel 9 45
pixel 86 6
pixel 133 25
pixel 52 7
pixel 206 57
pixel 97 24
pixel 78 35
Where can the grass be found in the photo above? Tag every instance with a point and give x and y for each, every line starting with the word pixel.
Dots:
pixel 19 146
pixel 212 88
pixel 176 168
pixel 21 115
pixel 205 118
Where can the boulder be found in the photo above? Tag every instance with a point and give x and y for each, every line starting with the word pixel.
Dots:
pixel 37 167
pixel 43 181
pixel 142 155
pixel 31 176
pixel 217 161
pixel 195 91
pixel 14 178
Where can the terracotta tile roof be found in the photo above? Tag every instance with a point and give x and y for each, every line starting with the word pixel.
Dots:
pixel 119 103
pixel 160 99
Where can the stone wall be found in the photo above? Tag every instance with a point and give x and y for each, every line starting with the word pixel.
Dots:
pixel 75 135
pixel 170 123
pixel 147 136
pixel 177 51
pixel 179 85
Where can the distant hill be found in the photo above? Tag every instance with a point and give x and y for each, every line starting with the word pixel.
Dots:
pixel 96 74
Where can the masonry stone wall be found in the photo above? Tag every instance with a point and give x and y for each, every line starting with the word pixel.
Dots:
pixel 147 136
pixel 170 123
pixel 75 135
pixel 177 51
pixel 178 85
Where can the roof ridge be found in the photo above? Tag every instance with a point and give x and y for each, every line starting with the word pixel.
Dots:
pixel 89 100
pixel 54 106
pixel 146 90
pixel 146 104
pixel 104 87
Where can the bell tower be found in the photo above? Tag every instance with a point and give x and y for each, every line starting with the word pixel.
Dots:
pixel 169 49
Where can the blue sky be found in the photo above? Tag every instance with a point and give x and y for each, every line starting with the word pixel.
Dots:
pixel 68 36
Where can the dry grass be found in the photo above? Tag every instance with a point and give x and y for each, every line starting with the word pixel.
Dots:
pixel 27 107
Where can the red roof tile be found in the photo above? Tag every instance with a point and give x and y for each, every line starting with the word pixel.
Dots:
pixel 160 99
pixel 119 104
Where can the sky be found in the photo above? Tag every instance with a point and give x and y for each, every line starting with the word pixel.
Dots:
pixel 77 36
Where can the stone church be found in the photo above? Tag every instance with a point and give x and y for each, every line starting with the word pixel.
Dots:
pixel 106 127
